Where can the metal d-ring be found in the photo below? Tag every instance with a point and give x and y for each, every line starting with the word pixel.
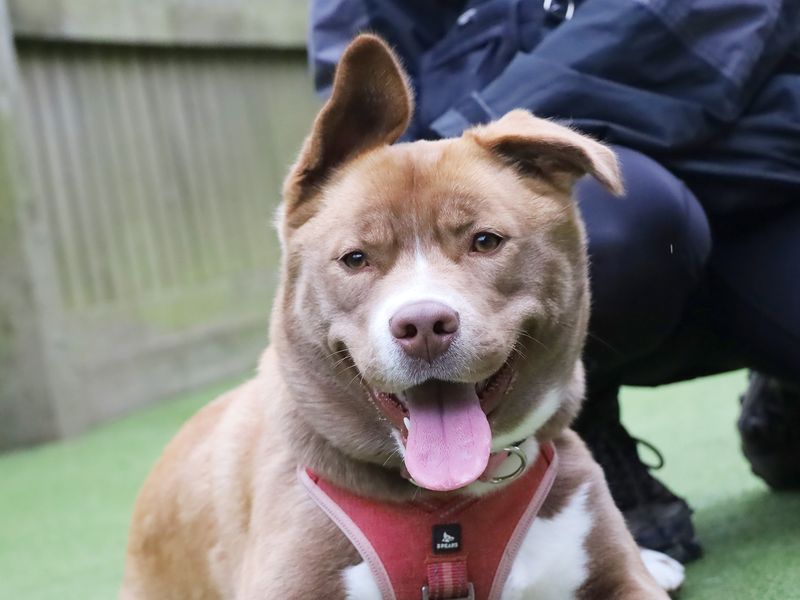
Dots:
pixel 523 462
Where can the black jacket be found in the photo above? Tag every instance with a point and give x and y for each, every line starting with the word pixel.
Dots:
pixel 710 88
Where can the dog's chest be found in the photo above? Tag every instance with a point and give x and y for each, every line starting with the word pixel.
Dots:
pixel 552 562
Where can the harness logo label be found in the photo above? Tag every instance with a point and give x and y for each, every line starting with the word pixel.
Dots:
pixel 446 538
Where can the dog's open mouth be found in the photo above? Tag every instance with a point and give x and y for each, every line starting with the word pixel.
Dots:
pixel 445 428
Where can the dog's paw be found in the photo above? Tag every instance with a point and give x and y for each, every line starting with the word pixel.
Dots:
pixel 667 572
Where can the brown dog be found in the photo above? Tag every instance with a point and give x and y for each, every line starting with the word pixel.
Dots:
pixel 432 311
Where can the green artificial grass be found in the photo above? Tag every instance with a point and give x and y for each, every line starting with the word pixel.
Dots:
pixel 64 508
pixel 751 536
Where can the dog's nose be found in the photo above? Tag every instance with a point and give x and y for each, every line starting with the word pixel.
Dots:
pixel 424 329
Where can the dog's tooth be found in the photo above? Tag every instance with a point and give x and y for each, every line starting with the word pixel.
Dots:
pixel 407 423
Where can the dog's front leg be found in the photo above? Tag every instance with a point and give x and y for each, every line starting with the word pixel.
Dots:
pixel 616 568
pixel 307 560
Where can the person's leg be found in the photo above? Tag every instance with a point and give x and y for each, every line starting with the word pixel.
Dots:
pixel 746 314
pixel 648 251
pixel 755 285
pixel 754 282
pixel 647 255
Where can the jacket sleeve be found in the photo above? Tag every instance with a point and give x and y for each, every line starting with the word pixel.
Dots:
pixel 410 26
pixel 657 75
pixel 332 24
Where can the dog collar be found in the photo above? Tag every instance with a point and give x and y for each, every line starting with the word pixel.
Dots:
pixel 460 547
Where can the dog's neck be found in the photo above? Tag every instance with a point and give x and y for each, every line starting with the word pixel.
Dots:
pixel 383 481
pixel 310 449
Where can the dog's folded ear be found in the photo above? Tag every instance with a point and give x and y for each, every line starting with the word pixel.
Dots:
pixel 545 150
pixel 370 106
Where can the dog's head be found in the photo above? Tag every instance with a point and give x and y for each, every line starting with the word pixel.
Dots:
pixel 434 298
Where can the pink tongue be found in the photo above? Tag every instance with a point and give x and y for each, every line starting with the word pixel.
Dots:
pixel 449 441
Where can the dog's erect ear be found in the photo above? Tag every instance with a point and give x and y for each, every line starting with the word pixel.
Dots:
pixel 543 149
pixel 370 106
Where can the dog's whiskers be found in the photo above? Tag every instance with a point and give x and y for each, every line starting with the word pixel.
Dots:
pixel 525 334
pixel 359 376
pixel 340 361
pixel 602 341
pixel 517 348
pixel 334 353
pixel 394 453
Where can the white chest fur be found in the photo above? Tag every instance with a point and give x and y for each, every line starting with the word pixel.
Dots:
pixel 551 564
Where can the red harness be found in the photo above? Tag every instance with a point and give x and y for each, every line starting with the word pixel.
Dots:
pixel 462 547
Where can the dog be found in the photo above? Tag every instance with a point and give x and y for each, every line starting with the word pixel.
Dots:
pixel 424 367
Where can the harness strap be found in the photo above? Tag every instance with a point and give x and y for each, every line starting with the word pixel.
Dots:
pixel 453 548
pixel 447 579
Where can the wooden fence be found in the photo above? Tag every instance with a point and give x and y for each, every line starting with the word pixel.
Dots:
pixel 142 146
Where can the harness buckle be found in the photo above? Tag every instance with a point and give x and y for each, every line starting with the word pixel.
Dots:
pixel 426 595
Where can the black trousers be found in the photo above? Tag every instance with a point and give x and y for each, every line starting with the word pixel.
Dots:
pixel 675 296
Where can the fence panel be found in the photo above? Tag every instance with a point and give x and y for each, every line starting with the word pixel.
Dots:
pixel 155 169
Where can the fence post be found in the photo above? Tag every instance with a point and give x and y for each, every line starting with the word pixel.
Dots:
pixel 28 412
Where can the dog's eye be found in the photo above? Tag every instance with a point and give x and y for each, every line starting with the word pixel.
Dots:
pixel 486 241
pixel 355 260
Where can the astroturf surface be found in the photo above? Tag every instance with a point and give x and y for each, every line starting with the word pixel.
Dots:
pixel 64 508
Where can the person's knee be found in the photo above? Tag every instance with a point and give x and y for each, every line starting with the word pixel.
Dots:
pixel 658 225
pixel 647 253
pixel 670 238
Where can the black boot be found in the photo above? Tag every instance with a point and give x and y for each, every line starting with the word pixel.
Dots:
pixel 769 425
pixel 657 518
